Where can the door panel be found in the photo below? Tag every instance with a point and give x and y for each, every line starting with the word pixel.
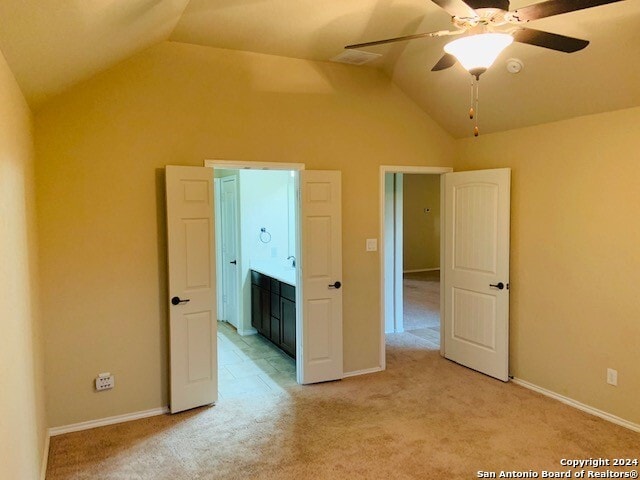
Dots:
pixel 197 241
pixel 319 312
pixel 199 339
pixel 476 314
pixel 192 323
pixel 321 267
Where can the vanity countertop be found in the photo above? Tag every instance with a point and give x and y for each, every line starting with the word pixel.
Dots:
pixel 275 269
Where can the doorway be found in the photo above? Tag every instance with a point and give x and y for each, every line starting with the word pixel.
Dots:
pixel 412 249
pixel 420 253
pixel 192 267
pixel 257 241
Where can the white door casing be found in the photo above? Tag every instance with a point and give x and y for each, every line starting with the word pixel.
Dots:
pixel 321 270
pixel 229 236
pixel 192 289
pixel 476 232
pixel 389 251
pixel 217 201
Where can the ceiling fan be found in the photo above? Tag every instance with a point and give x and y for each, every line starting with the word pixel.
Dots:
pixel 491 27
pixel 482 17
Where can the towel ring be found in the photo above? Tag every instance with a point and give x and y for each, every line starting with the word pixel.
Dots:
pixel 265 237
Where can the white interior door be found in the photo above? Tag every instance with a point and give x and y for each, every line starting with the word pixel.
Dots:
pixel 476 270
pixel 229 198
pixel 321 272
pixel 192 290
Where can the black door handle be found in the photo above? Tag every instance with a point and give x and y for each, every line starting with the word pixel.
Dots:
pixel 336 285
pixel 498 285
pixel 233 262
pixel 177 301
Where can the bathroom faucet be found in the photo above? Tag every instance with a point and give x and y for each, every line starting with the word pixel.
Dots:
pixel 293 262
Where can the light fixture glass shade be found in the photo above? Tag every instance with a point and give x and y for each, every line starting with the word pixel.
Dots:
pixel 476 53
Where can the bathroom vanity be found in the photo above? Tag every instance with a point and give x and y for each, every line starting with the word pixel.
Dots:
pixel 273 308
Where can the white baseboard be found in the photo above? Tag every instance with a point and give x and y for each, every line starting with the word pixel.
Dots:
pixel 101 422
pixel 45 456
pixel 421 270
pixel 400 330
pixel 247 331
pixel 355 373
pixel 580 406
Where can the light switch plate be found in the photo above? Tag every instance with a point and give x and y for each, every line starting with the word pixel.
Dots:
pixel 372 244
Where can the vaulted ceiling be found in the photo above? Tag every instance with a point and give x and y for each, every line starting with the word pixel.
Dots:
pixel 52 44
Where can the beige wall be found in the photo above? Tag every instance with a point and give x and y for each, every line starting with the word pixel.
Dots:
pixel 101 148
pixel 22 417
pixel 575 253
pixel 420 231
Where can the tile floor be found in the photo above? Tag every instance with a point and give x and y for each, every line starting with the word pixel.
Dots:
pixel 421 292
pixel 251 365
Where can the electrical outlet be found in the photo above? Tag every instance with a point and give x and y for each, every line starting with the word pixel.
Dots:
pixel 105 381
pixel 612 377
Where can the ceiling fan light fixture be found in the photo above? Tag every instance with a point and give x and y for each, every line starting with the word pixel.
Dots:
pixel 477 53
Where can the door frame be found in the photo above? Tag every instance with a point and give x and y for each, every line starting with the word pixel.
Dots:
pixel 384 169
pixel 297 167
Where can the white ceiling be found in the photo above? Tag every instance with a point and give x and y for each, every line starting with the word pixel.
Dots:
pixel 53 44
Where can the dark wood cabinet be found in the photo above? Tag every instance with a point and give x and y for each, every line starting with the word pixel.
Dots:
pixel 288 324
pixel 256 308
pixel 260 310
pixel 273 311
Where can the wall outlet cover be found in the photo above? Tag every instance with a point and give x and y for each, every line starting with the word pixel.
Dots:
pixel 105 382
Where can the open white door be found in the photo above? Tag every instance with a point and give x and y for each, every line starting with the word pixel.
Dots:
pixel 229 237
pixel 476 270
pixel 192 300
pixel 321 272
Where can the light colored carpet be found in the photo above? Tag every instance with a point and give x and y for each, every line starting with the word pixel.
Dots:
pixel 422 418
pixel 421 305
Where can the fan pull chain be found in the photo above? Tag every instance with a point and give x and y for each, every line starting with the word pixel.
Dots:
pixel 476 131
pixel 475 102
pixel 472 112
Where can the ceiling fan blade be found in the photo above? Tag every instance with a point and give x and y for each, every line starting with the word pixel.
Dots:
pixel 555 7
pixel 456 8
pixel 446 61
pixel 552 41
pixel 402 39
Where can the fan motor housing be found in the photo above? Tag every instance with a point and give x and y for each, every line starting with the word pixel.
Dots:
pixel 500 4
